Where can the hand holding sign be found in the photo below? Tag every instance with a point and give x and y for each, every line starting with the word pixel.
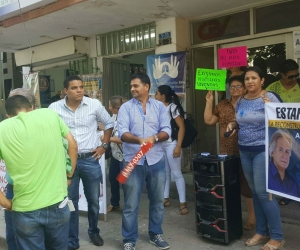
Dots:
pixel 209 96
pixel 210 79
pixel 124 175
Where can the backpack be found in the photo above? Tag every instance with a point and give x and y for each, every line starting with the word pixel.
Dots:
pixel 189 135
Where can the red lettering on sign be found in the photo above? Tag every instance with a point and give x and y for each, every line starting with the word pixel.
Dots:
pixel 3 180
pixel 212 29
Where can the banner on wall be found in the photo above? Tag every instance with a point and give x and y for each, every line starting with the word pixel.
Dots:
pixel 283 149
pixel 167 69
pixel 31 81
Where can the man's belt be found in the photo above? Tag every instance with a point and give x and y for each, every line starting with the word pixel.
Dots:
pixel 85 155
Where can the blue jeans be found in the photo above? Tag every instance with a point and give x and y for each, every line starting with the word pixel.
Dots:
pixel 89 171
pixel 10 234
pixel 45 228
pixel 266 211
pixel 155 177
pixel 114 170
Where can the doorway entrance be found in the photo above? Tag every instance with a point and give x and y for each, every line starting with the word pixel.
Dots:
pixel 117 72
pixel 273 49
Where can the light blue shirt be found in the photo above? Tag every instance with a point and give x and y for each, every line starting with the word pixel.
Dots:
pixel 250 115
pixel 83 122
pixel 131 119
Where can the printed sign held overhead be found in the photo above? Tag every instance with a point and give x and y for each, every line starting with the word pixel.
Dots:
pixel 210 79
pixel 232 57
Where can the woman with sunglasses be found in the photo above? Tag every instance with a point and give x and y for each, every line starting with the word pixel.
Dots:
pixel 287 87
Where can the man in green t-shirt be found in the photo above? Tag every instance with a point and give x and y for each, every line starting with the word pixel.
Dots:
pixel 30 144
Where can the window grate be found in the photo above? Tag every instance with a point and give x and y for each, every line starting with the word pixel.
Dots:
pixel 127 40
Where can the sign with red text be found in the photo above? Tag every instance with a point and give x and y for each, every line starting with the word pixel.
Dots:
pixel 3 181
pixel 210 79
pixel 232 57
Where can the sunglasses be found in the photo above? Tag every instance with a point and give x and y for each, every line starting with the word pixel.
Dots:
pixel 291 77
pixel 236 87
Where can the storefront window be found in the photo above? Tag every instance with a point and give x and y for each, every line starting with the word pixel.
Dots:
pixel 224 27
pixel 275 17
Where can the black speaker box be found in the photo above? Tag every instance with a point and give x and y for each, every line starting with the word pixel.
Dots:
pixel 218 199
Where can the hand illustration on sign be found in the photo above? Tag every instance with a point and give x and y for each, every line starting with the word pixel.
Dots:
pixel 160 69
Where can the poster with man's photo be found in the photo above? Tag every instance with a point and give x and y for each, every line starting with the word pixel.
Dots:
pixel 283 149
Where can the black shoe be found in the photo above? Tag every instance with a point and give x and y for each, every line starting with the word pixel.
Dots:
pixel 73 248
pixel 97 240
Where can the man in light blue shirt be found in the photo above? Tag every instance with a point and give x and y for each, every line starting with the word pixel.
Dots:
pixel 140 120
pixel 82 114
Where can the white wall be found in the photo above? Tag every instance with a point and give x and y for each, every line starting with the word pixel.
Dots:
pixel 179 28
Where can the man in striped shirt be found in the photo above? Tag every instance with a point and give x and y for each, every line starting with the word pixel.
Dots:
pixel 82 114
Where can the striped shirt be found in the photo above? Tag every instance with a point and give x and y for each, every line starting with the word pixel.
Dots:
pixel 131 119
pixel 83 122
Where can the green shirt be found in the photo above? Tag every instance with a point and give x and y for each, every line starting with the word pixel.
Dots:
pixel 287 95
pixel 31 146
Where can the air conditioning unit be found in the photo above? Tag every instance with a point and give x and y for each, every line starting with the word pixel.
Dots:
pixel 63 50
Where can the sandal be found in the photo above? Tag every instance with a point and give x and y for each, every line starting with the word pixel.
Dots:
pixel 111 208
pixel 249 226
pixel 284 201
pixel 253 241
pixel 269 246
pixel 183 208
pixel 166 202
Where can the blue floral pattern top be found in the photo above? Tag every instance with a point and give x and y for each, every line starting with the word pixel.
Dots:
pixel 250 116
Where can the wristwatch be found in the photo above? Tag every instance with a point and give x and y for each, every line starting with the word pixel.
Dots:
pixel 104 145
pixel 156 138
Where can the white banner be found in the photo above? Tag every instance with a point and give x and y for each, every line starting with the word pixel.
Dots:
pixel 3 181
pixel 31 81
pixel 283 149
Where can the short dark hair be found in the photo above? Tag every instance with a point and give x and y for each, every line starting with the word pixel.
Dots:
pixel 143 77
pixel 257 70
pixel 70 79
pixel 288 65
pixel 236 78
pixel 15 103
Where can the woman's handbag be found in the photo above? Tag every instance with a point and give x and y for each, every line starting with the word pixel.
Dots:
pixel 189 135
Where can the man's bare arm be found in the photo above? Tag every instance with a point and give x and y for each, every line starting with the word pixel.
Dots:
pixel 4 202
